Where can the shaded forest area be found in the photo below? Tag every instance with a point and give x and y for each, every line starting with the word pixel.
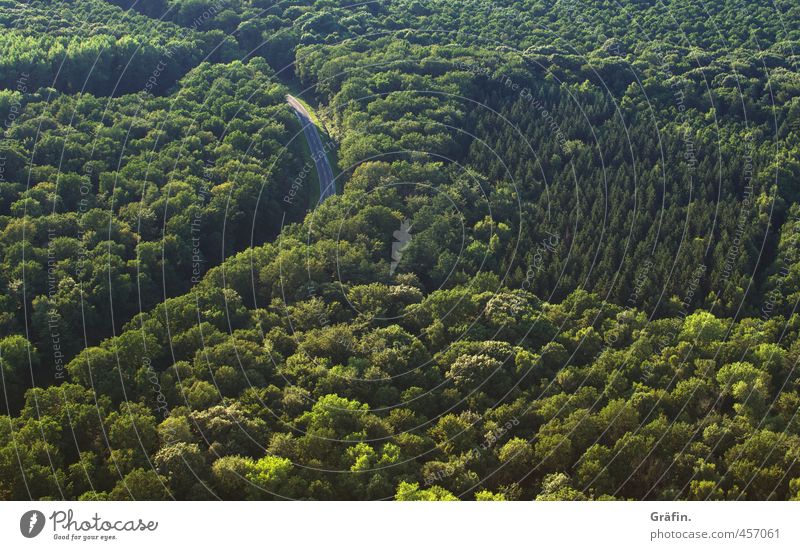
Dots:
pixel 595 297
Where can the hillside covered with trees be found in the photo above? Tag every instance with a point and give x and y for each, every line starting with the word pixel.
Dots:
pixel 565 263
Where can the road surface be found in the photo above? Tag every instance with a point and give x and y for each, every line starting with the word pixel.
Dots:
pixel 318 151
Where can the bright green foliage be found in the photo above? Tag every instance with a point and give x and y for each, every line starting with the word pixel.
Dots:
pixel 564 266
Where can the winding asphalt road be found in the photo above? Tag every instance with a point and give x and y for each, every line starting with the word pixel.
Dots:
pixel 318 152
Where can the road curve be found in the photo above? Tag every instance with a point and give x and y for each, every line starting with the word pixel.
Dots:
pixel 318 152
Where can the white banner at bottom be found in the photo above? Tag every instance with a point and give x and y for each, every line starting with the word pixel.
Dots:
pixel 400 525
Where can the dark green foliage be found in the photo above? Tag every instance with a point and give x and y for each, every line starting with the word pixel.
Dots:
pixel 565 264
pixel 606 405
pixel 92 46
pixel 132 199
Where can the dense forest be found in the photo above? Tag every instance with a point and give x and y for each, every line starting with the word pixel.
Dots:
pixel 564 263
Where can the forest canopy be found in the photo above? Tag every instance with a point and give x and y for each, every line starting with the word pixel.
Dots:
pixel 562 262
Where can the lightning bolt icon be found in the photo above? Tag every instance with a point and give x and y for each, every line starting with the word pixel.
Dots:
pixel 34 518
